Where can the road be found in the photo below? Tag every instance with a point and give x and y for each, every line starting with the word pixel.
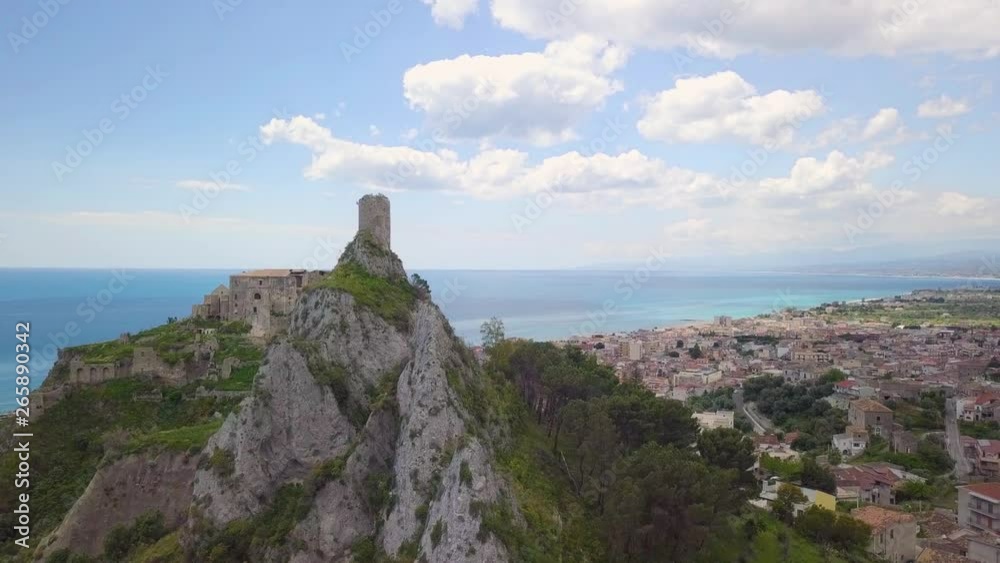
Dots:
pixel 761 424
pixel 954 441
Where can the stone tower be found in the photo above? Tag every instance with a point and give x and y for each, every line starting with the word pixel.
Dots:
pixel 373 218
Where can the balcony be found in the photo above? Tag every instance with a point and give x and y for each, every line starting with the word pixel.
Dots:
pixel 990 511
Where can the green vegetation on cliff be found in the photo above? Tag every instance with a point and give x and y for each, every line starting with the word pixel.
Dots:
pixel 603 471
pixel 391 299
pixel 102 422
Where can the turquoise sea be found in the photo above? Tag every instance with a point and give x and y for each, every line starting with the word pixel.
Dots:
pixel 71 307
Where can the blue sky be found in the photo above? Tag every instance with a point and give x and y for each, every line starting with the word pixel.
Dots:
pixel 601 135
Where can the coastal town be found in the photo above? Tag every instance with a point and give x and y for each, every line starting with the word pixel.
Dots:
pixel 887 409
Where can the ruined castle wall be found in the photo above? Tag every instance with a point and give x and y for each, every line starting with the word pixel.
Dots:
pixel 81 373
pixel 260 301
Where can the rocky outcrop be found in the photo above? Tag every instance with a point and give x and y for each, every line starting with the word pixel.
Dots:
pixel 373 258
pixel 121 492
pixel 290 424
pixel 349 336
pixel 362 420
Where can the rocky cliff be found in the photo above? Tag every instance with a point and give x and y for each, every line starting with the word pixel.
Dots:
pixel 362 440
pixel 357 404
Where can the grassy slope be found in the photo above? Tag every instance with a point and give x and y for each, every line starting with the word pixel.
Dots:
pixel 390 299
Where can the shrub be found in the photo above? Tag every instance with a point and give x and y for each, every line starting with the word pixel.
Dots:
pixel 465 474
pixel 222 462
pixel 439 529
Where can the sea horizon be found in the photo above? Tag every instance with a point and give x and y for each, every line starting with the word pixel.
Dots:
pixel 537 304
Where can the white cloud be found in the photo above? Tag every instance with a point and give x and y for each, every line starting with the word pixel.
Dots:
pixel 849 130
pixel 729 27
pixel 823 184
pixel 807 208
pixel 944 106
pixel 536 97
pixel 887 119
pixel 626 179
pixel 724 105
pixel 208 185
pixel 451 13
pixel 374 131
pixel 953 203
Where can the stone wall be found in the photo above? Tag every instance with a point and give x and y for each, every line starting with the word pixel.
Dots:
pixel 81 373
pixel 258 300
pixel 373 218
pixel 145 361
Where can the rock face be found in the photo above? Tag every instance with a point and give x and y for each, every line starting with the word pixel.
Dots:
pixel 289 425
pixel 377 407
pixel 121 492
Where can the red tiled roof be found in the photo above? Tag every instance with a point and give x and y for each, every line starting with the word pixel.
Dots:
pixel 879 518
pixel 986 398
pixel 989 490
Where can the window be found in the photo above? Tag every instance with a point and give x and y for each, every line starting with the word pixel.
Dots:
pixel 256 296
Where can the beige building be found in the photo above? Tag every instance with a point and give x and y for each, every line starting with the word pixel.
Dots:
pixel 262 298
pixel 894 533
pixel 984 548
pixel 979 507
pixel 634 349
pixel 713 420
pixel 871 415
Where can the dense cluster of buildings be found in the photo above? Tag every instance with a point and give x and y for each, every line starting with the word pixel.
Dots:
pixel 883 364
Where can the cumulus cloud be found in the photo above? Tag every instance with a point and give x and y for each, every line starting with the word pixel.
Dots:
pixel 626 178
pixel 941 107
pixel 850 130
pixel 451 13
pixel 724 105
pixel 537 97
pixel 887 119
pixel 726 28
pixel 808 207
